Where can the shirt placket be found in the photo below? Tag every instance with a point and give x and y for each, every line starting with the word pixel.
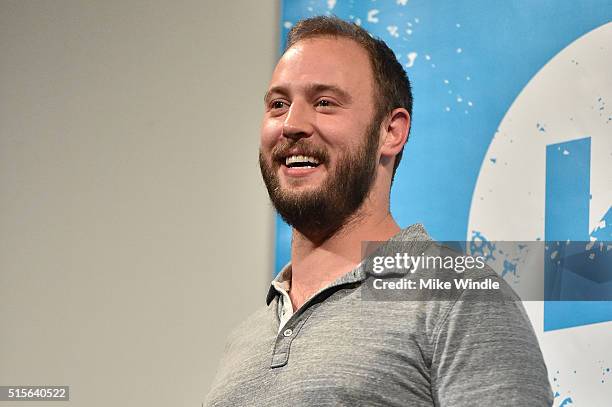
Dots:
pixel 282 346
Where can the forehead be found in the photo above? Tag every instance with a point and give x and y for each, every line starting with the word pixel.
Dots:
pixel 334 61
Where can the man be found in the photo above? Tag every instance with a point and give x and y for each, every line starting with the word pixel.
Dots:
pixel 337 116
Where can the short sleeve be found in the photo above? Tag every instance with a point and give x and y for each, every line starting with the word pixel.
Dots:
pixel 486 354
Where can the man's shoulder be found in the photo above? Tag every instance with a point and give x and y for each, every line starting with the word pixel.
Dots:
pixel 259 319
pixel 252 334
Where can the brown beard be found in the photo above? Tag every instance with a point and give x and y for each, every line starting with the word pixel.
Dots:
pixel 321 212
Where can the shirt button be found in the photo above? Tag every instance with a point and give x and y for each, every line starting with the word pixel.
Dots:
pixel 288 332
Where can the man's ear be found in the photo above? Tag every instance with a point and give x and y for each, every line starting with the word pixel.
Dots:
pixel 395 129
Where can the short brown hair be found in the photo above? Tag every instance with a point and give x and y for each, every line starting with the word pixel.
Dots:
pixel 393 84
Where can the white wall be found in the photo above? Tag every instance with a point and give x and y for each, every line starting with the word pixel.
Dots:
pixel 134 228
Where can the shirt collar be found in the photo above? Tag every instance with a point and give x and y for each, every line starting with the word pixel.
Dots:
pixel 282 282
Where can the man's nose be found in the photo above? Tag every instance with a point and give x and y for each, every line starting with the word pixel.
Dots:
pixel 298 122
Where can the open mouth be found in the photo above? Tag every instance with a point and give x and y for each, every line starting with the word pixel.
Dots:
pixel 301 161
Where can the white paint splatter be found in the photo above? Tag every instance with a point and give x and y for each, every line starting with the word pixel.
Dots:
pixel 331 4
pixel 447 108
pixel 393 30
pixel 409 31
pixel 468 78
pixel 287 24
pixel 409 24
pixel 416 20
pixel 470 103
pixel 402 2
pixel 427 57
pixel 372 15
pixel 433 65
pixel 446 82
pixel 459 50
pixel 358 21
pixel 458 25
pixel 565 152
pixel 459 99
pixel 411 58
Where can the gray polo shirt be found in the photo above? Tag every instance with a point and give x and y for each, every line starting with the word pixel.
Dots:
pixel 340 350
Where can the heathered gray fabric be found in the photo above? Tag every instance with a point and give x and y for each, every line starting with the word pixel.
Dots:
pixel 344 351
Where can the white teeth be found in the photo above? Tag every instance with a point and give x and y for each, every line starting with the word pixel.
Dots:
pixel 300 159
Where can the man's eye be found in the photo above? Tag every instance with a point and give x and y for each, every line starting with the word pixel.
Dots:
pixel 278 104
pixel 324 103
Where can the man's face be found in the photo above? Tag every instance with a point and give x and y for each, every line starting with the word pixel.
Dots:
pixel 319 141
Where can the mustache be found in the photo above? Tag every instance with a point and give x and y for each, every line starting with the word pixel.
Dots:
pixel 301 147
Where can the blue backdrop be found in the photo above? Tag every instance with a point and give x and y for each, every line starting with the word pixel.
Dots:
pixel 470 62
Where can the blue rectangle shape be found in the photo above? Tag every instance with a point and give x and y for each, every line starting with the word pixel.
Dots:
pixel 568 180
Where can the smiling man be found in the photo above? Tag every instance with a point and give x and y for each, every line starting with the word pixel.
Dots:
pixel 337 116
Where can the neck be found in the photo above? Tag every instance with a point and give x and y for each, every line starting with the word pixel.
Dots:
pixel 317 262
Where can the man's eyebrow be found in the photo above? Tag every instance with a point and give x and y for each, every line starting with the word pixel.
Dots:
pixel 311 89
pixel 275 89
pixel 322 87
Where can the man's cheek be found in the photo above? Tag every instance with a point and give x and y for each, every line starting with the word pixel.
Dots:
pixel 270 133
